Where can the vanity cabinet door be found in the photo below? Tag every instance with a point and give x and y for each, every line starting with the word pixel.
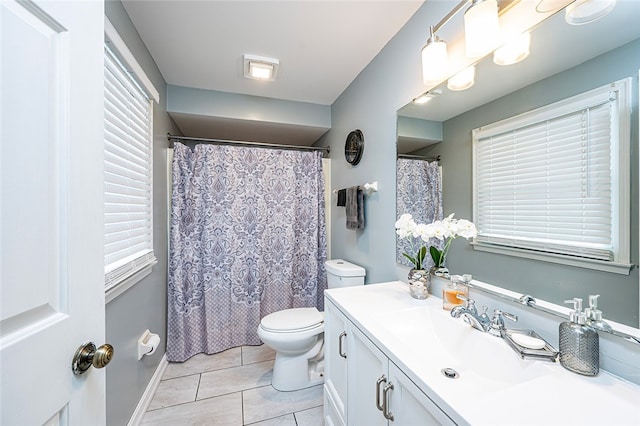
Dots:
pixel 356 375
pixel 409 405
pixel 335 355
pixel 367 376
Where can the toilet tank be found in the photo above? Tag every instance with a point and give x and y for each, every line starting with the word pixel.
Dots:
pixel 341 273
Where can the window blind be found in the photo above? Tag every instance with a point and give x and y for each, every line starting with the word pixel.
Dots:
pixel 545 184
pixel 128 228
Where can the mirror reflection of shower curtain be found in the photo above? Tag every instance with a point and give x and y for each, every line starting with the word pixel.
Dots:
pixel 419 193
pixel 247 238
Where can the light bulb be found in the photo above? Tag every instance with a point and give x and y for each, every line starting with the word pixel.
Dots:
pixel 481 28
pixel 435 61
pixel 514 51
pixel 463 80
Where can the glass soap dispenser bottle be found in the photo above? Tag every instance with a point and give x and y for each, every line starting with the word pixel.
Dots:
pixel 594 315
pixel 579 345
pixel 458 285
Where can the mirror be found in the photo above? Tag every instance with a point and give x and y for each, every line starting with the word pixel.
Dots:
pixel 564 61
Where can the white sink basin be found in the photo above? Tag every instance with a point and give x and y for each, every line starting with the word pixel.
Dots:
pixel 445 342
pixel 421 339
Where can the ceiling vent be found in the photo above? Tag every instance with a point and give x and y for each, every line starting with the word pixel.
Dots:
pixel 260 67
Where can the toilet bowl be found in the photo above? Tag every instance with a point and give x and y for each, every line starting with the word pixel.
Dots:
pixel 297 335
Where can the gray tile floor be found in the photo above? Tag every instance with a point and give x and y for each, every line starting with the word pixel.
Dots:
pixel 231 388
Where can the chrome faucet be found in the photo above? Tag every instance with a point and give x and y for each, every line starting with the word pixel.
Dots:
pixel 496 326
pixel 470 315
pixel 482 322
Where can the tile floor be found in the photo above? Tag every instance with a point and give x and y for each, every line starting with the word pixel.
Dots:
pixel 231 388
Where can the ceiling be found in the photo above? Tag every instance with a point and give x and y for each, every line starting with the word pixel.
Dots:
pixel 322 46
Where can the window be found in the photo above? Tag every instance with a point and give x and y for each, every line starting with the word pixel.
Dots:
pixel 128 155
pixel 553 183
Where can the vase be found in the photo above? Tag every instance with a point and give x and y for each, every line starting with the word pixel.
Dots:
pixel 419 283
pixel 440 271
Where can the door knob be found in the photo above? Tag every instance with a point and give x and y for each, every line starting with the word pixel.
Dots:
pixel 87 355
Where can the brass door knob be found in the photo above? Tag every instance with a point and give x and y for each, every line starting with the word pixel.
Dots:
pixel 87 355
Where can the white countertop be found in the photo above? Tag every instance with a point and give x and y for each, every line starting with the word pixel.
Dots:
pixel 495 387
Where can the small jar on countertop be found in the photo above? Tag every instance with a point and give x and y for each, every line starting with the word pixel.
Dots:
pixel 457 286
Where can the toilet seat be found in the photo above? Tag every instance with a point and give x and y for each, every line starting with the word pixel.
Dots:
pixel 293 320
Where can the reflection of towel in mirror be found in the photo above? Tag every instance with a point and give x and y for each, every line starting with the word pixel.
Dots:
pixel 342 198
pixel 355 208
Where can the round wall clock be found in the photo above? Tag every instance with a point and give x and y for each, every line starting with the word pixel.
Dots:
pixel 353 147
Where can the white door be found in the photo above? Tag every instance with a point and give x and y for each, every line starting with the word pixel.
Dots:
pixel 51 251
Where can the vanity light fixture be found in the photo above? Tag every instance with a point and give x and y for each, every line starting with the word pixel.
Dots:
pixel 482 35
pixel 435 61
pixel 260 67
pixel 481 28
pixel 585 11
pixel 463 80
pixel 514 51
pixel 427 96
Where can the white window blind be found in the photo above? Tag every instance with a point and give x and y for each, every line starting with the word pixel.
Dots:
pixel 127 174
pixel 547 181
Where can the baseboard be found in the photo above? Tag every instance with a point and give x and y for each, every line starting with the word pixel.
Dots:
pixel 147 396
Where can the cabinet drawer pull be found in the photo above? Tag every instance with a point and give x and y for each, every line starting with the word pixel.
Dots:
pixel 340 349
pixel 385 402
pixel 381 379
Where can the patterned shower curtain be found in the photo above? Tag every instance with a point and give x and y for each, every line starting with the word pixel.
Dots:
pixel 247 239
pixel 419 194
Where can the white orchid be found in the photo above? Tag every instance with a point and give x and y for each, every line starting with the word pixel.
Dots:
pixel 440 230
pixel 420 231
pixel 466 229
pixel 447 229
pixel 405 226
pixel 429 232
pixel 451 226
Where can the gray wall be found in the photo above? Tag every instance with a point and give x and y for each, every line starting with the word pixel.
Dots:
pixel 188 100
pixel 549 281
pixel 370 103
pixel 423 130
pixel 145 304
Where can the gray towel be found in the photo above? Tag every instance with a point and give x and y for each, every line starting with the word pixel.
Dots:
pixel 355 208
pixel 342 198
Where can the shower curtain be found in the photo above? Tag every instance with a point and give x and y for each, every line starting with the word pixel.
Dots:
pixel 419 194
pixel 247 239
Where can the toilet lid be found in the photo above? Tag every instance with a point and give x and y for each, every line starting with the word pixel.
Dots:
pixel 292 319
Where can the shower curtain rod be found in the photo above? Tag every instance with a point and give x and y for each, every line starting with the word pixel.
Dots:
pixel 419 157
pixel 246 143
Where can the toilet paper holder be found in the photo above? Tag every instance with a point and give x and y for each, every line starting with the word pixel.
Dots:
pixel 147 343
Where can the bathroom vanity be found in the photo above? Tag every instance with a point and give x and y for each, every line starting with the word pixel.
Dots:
pixel 392 359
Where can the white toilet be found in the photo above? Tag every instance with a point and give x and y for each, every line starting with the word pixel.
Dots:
pixel 297 334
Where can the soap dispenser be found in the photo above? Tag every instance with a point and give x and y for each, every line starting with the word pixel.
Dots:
pixel 594 315
pixel 579 346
